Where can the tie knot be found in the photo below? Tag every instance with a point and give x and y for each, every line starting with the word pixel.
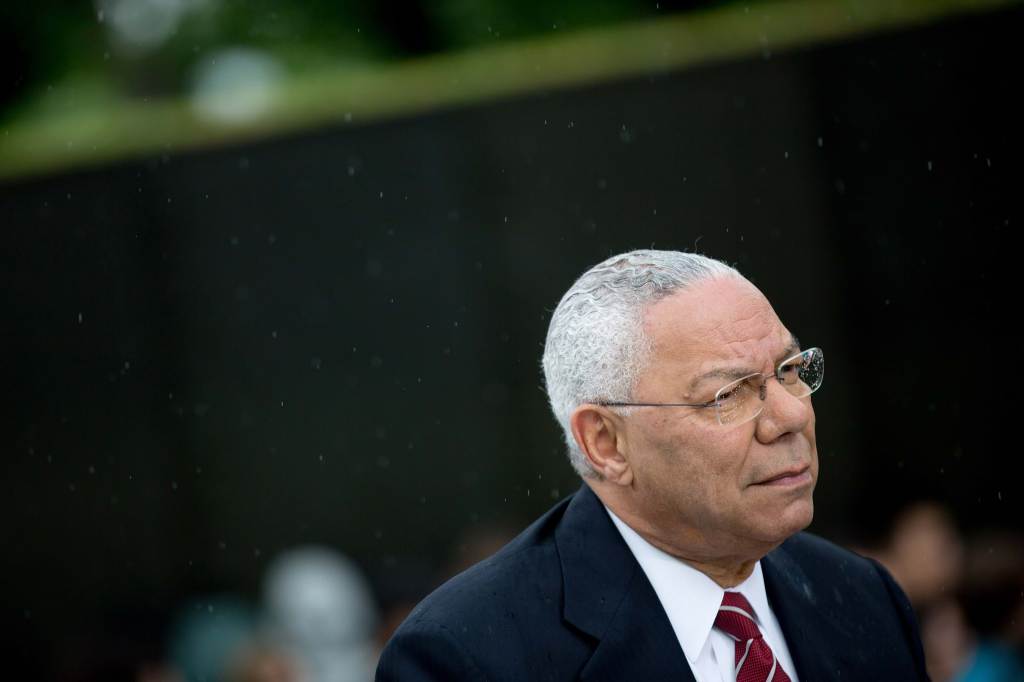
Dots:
pixel 736 618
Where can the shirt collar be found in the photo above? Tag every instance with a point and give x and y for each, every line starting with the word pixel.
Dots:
pixel 689 597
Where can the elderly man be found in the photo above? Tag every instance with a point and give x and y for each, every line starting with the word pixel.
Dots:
pixel 686 406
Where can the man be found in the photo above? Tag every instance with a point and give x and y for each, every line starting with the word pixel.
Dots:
pixel 686 409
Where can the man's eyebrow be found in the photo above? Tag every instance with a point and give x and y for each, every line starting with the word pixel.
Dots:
pixel 733 373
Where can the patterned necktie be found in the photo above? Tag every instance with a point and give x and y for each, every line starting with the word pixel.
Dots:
pixel 755 661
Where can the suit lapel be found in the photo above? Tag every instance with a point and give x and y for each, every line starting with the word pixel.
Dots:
pixel 608 596
pixel 812 630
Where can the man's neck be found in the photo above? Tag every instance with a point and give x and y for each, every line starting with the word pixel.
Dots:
pixel 725 571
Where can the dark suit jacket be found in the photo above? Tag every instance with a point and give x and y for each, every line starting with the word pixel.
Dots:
pixel 567 600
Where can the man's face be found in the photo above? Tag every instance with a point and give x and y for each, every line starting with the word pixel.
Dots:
pixel 720 489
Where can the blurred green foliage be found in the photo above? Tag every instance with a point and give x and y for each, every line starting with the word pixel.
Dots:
pixel 462 23
pixel 81 46
pixel 96 80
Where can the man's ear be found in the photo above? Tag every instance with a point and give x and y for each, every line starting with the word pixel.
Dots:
pixel 600 434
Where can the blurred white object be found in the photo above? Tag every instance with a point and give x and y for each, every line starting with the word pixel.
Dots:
pixel 319 609
pixel 143 25
pixel 235 85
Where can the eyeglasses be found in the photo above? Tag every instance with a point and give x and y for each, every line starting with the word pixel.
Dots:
pixel 742 400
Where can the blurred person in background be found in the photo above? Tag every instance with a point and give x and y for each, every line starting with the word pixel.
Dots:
pixel 991 601
pixel 262 663
pixel 686 409
pixel 474 545
pixel 402 585
pixel 208 636
pixel 318 609
pixel 969 595
pixel 399 586
pixel 924 553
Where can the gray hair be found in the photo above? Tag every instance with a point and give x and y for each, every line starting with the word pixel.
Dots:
pixel 596 346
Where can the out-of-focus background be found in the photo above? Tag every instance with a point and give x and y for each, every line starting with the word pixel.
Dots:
pixel 276 279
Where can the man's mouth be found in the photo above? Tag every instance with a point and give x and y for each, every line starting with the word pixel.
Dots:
pixel 790 477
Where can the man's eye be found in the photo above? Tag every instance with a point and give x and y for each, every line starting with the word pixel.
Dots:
pixel 790 372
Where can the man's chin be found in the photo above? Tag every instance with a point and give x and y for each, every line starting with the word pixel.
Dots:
pixel 795 518
pixel 800 515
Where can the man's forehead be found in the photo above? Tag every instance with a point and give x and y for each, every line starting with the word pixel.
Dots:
pixel 727 314
pixel 753 355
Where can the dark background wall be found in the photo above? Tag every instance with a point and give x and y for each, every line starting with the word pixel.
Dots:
pixel 335 337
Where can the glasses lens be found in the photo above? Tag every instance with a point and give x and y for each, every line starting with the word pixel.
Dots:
pixel 739 401
pixel 802 374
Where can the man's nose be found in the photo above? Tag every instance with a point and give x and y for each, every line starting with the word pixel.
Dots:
pixel 783 412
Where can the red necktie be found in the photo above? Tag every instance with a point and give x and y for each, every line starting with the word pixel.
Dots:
pixel 755 661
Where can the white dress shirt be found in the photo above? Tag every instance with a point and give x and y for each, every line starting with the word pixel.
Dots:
pixel 691 600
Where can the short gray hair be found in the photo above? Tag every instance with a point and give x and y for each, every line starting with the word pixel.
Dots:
pixel 596 346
